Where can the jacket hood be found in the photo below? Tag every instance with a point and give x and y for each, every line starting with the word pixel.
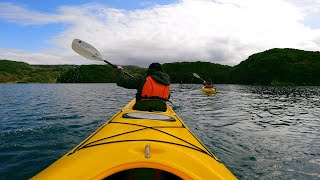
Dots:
pixel 159 76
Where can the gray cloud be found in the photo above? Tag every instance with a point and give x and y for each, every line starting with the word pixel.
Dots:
pixel 224 32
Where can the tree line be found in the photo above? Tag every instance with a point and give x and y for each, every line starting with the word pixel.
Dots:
pixel 272 67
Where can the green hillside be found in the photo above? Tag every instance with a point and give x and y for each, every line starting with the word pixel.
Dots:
pixel 179 72
pixel 271 67
pixel 94 74
pixel 20 72
pixel 182 72
pixel 279 67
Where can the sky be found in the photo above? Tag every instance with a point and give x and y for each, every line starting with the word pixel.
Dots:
pixel 139 32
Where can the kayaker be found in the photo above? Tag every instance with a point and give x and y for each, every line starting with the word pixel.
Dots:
pixel 153 88
pixel 208 84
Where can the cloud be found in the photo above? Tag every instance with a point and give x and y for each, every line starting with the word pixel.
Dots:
pixel 20 15
pixel 219 31
pixel 308 6
pixel 40 57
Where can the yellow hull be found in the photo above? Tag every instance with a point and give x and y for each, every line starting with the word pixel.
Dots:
pixel 208 90
pixel 158 140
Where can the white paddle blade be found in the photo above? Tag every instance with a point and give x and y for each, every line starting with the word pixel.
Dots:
pixel 196 75
pixel 86 50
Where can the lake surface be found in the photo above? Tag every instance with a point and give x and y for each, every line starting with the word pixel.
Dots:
pixel 258 132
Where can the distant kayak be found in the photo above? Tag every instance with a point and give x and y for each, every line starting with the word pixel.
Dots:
pixel 208 91
pixel 139 145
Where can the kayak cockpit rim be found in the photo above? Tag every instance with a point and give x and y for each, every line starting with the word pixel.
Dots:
pixel 121 171
pixel 143 173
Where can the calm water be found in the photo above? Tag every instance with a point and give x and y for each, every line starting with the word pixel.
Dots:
pixel 258 132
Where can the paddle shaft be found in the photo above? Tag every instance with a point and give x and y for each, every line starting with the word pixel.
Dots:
pixel 110 63
pixel 117 68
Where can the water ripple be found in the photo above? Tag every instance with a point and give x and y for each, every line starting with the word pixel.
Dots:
pixel 258 132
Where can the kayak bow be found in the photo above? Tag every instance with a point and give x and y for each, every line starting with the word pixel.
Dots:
pixel 208 91
pixel 139 144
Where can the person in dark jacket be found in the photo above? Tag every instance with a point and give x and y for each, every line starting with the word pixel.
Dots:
pixel 153 89
pixel 208 84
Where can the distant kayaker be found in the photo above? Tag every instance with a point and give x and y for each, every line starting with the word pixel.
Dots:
pixel 153 88
pixel 208 84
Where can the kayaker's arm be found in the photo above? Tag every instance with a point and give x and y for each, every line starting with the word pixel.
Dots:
pixel 125 81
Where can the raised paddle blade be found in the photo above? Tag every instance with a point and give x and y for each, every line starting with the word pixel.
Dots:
pixel 86 50
pixel 89 52
pixel 196 75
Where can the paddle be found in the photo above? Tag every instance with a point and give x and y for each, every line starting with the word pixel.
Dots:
pixel 197 76
pixel 86 50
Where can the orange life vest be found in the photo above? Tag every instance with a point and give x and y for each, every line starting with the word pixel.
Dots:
pixel 153 89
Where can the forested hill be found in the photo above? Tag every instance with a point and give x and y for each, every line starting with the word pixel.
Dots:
pixel 271 67
pixel 277 67
pixel 181 72
pixel 20 72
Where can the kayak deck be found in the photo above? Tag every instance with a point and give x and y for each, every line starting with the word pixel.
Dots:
pixel 208 91
pixel 140 141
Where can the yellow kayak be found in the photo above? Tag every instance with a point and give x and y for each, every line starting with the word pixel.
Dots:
pixel 139 145
pixel 208 91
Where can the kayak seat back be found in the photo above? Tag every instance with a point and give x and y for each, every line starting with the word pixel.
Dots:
pixel 150 105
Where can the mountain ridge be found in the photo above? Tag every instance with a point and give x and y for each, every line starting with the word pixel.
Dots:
pixel 277 66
